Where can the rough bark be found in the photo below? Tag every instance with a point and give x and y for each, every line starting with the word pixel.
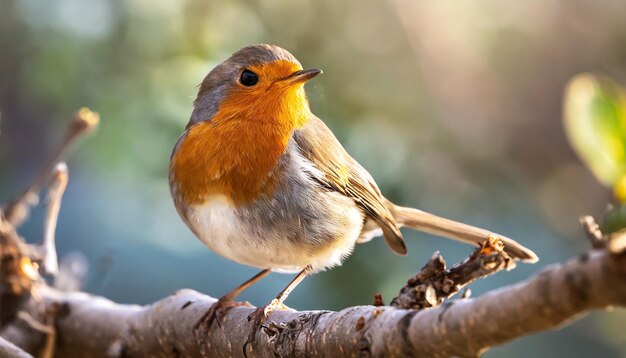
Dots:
pixel 434 283
pixel 96 327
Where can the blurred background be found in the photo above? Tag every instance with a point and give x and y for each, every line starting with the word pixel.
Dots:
pixel 454 107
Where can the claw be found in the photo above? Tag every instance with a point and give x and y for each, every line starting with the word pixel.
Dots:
pixel 214 314
pixel 258 316
pixel 264 311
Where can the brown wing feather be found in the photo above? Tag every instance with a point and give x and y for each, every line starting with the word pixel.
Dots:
pixel 344 175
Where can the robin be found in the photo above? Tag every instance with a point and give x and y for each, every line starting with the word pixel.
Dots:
pixel 262 181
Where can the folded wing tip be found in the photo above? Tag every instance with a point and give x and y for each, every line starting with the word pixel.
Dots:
pixel 530 258
pixel 521 253
pixel 398 246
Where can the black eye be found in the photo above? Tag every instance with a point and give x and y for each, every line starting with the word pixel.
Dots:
pixel 248 78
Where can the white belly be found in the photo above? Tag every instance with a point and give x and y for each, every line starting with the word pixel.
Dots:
pixel 284 242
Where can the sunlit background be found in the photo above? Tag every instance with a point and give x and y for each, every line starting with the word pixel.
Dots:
pixel 454 107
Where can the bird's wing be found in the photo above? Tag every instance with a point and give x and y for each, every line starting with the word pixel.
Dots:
pixel 344 175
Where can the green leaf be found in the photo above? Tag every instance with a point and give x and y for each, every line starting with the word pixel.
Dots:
pixel 614 219
pixel 595 124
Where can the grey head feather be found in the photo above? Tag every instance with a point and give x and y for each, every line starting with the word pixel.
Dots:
pixel 215 85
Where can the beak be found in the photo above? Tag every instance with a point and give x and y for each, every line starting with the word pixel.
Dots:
pixel 301 76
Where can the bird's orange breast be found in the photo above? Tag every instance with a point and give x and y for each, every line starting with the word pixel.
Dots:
pixel 212 160
pixel 235 152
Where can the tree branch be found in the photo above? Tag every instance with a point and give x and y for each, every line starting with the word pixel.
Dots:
pixel 56 188
pixel 94 326
pixel 45 322
pixel 8 349
pixel 434 283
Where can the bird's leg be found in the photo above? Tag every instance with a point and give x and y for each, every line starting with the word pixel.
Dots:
pixel 226 301
pixel 262 312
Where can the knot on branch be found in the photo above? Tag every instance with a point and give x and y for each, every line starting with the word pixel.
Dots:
pixel 434 283
pixel 17 272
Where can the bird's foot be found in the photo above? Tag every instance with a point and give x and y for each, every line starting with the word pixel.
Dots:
pixel 264 311
pixel 217 312
pixel 258 316
pixel 214 314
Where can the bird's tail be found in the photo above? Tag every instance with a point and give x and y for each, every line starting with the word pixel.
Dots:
pixel 432 224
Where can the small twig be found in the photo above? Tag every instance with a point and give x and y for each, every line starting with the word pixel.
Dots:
pixel 434 283
pixel 33 323
pixel 83 122
pixel 56 188
pixel 614 242
pixel 378 300
pixel 52 313
pixel 47 328
pixel 592 231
